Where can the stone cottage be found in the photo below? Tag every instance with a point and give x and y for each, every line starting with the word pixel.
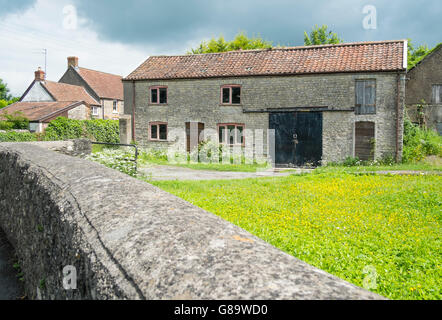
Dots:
pixel 104 87
pixel 46 100
pixel 424 91
pixel 322 103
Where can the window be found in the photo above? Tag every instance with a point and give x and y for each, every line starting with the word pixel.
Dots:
pixel 95 110
pixel 115 107
pixel 365 97
pixel 231 134
pixel 158 131
pixel 437 93
pixel 231 94
pixel 158 95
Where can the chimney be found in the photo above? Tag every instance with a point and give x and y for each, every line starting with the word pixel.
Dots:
pixel 73 62
pixel 39 75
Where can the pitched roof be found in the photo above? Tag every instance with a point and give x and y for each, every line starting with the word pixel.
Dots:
pixel 67 92
pixel 347 57
pixel 37 111
pixel 106 85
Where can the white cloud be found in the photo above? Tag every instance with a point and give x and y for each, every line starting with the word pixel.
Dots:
pixel 25 35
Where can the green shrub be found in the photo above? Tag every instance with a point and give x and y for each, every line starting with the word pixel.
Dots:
pixel 97 130
pixel 14 121
pixel 13 136
pixel 103 130
pixel 420 142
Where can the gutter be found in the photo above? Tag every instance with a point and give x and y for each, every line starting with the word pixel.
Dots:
pixel 298 109
pixel 133 111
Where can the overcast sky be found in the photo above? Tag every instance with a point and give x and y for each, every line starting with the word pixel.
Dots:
pixel 116 36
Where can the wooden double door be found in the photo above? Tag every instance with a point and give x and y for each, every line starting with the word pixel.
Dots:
pixel 298 138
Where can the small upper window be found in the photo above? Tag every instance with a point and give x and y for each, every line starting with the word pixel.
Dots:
pixel 158 131
pixel 365 97
pixel 231 134
pixel 115 107
pixel 158 95
pixel 437 93
pixel 95 111
pixel 231 94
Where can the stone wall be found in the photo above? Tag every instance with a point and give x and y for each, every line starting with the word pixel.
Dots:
pixel 130 240
pixel 420 80
pixel 82 112
pixel 75 148
pixel 199 101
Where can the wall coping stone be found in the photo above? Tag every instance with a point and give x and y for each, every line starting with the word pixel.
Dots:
pixel 131 240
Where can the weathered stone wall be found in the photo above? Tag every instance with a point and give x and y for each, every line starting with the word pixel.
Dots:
pixel 82 112
pixel 199 101
pixel 75 148
pixel 109 111
pixel 420 80
pixel 131 240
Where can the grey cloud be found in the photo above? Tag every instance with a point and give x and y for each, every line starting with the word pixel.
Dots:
pixel 169 24
pixel 8 6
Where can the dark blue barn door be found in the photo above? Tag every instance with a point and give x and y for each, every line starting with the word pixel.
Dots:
pixel 298 138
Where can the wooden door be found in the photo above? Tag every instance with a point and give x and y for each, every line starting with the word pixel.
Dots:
pixel 194 129
pixel 364 140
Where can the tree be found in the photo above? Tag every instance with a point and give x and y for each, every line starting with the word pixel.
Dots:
pixel 5 98
pixel 240 42
pixel 417 54
pixel 320 35
pixel 4 91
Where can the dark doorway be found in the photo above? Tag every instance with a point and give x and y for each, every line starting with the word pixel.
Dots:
pixel 193 134
pixel 364 140
pixel 298 138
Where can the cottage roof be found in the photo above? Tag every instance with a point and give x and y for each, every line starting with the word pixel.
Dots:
pixel 39 111
pixel 346 57
pixel 105 85
pixel 67 92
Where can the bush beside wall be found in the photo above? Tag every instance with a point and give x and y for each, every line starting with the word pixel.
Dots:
pixel 96 130
pixel 17 136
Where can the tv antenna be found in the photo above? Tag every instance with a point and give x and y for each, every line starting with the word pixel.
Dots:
pixel 45 52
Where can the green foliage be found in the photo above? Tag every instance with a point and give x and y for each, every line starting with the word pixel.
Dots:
pixel 240 42
pixel 117 159
pixel 420 142
pixel 4 91
pixel 320 35
pixel 416 54
pixel 5 103
pixel 97 130
pixel 12 136
pixel 14 121
pixel 340 223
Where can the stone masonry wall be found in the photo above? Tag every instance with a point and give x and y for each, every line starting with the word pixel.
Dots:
pixel 130 240
pixel 199 101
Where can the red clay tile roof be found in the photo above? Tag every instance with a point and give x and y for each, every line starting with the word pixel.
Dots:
pixel 348 57
pixel 106 85
pixel 36 111
pixel 67 92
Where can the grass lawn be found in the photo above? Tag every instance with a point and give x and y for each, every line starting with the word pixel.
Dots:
pixel 421 166
pixel 147 159
pixel 341 223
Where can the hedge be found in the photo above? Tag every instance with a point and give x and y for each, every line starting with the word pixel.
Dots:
pixel 13 136
pixel 97 130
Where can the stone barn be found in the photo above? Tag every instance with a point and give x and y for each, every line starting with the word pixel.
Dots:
pixel 424 91
pixel 324 103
